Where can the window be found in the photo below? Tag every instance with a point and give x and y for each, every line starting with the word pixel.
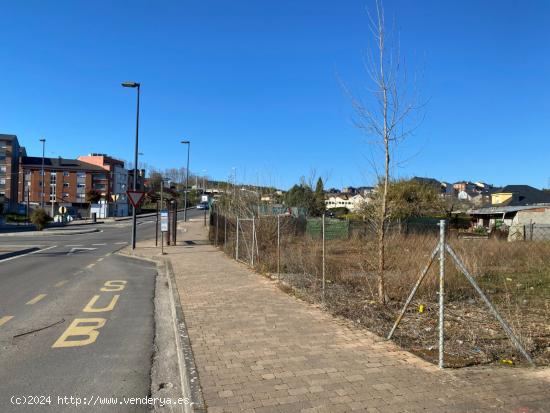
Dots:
pixel 65 184
pixel 3 169
pixel 52 197
pixel 65 173
pixel 81 175
pixel 2 181
pixel 81 185
pixel 65 195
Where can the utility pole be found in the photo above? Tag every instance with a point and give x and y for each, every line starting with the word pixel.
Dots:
pixel 188 143
pixel 134 217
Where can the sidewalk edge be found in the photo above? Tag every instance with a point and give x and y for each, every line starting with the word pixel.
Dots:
pixel 189 374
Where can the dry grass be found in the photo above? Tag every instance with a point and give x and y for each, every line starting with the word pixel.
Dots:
pixel 515 276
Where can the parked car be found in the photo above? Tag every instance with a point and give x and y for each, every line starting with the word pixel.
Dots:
pixel 202 205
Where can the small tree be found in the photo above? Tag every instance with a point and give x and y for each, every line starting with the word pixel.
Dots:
pixel 40 218
pixel 301 196
pixel 93 196
pixel 320 205
pixel 386 119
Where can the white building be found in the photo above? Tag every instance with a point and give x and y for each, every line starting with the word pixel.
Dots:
pixel 352 203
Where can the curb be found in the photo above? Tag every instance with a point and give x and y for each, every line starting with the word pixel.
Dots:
pixel 50 232
pixel 169 379
pixel 189 373
pixel 23 251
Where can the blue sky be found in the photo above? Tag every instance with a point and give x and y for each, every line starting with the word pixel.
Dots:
pixel 254 85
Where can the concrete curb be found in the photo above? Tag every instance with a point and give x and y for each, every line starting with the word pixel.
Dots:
pixel 50 232
pixel 171 380
pixel 189 374
pixel 23 251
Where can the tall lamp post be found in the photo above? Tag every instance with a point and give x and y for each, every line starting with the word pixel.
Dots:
pixel 134 217
pixel 188 143
pixel 42 174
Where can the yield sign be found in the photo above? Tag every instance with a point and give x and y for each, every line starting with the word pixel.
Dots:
pixel 135 197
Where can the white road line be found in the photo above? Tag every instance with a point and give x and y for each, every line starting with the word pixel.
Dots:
pixel 28 253
pixel 121 243
pixel 100 244
pixel 100 259
pixel 90 265
pixel 74 245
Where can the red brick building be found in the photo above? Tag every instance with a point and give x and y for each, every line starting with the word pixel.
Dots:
pixel 66 181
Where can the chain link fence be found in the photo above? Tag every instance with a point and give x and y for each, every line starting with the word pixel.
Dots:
pixel 335 263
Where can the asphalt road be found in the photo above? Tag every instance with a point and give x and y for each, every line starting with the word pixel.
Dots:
pixel 77 320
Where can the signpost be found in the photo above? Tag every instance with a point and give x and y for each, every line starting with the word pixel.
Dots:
pixel 163 228
pixel 135 198
pixel 63 211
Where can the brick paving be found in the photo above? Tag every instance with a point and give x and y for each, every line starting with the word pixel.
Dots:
pixel 261 350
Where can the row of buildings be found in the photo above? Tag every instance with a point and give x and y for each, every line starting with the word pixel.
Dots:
pixel 66 182
pixel 523 209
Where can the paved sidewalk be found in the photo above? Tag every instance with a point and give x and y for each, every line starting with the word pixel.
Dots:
pixel 260 350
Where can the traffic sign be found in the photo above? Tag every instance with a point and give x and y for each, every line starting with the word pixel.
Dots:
pixel 164 220
pixel 62 210
pixel 135 197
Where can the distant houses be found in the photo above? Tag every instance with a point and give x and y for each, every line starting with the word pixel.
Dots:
pixel 524 210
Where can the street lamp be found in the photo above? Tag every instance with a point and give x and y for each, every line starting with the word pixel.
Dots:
pixel 134 217
pixel 42 174
pixel 188 143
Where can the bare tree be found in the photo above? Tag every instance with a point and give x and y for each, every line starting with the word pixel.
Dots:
pixel 385 118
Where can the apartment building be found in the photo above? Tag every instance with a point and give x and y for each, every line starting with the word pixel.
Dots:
pixel 65 181
pixel 114 183
pixel 10 151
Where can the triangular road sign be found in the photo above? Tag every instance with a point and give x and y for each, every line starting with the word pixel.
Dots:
pixel 135 197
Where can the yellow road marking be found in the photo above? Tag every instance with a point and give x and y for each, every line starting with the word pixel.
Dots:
pixel 77 329
pixel 5 319
pixel 91 309
pixel 36 299
pixel 115 285
pixel 60 283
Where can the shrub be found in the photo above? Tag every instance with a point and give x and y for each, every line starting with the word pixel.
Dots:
pixel 40 218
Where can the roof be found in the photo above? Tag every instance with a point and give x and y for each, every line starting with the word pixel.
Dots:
pixel 59 163
pixel 504 209
pixel 524 195
pixel 5 137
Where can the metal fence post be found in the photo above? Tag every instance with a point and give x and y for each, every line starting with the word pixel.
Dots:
pixel 237 241
pixel 323 243
pixel 278 246
pixel 441 291
pixel 253 238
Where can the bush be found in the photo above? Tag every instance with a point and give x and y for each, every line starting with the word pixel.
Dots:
pixel 40 218
pixel 15 218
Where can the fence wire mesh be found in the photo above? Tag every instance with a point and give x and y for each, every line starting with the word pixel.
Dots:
pixel 515 275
